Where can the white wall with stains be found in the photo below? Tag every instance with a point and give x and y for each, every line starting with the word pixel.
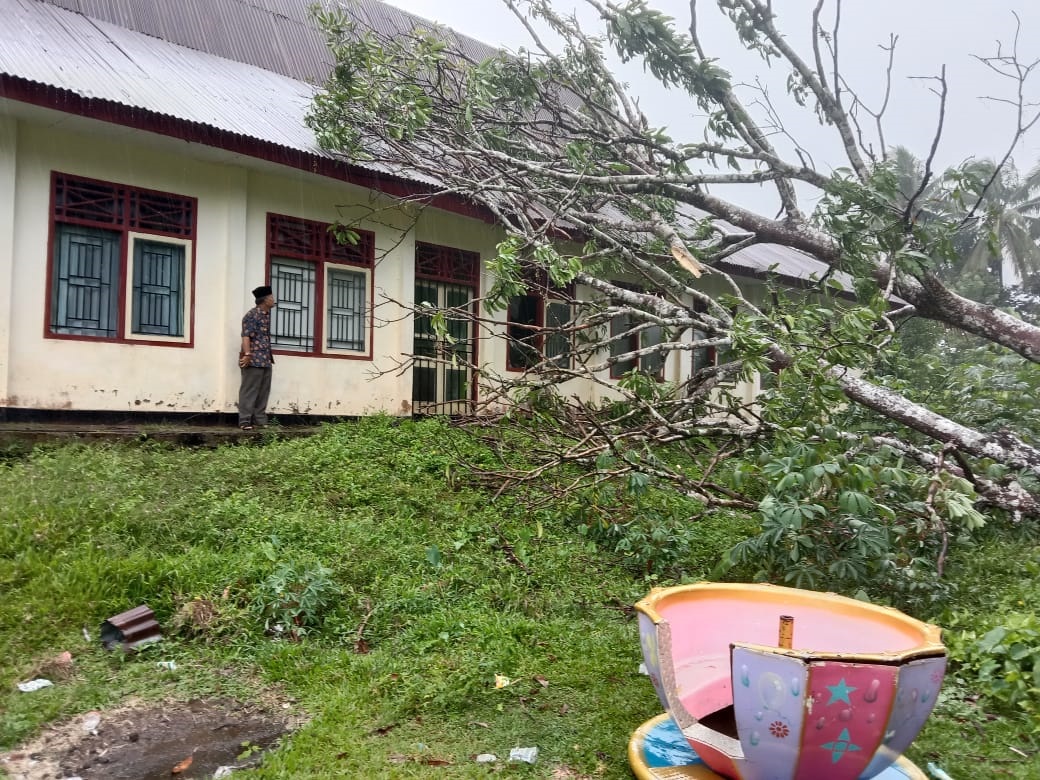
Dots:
pixel 235 194
pixel 8 217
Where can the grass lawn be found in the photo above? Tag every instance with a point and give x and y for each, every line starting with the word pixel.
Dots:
pixel 418 590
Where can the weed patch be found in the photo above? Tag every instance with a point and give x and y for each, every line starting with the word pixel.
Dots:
pixel 410 590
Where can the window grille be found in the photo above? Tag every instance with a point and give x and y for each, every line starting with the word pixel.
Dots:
pixel 157 212
pixel 652 364
pixel 558 343
pixel 621 344
pixel 322 302
pixel 306 239
pixel 158 292
pixel 534 328
pixel 622 341
pixel 442 378
pixel 84 298
pixel 442 263
pixel 84 201
pixel 100 256
pixel 292 320
pixel 525 342
pixel 703 357
pixel 346 303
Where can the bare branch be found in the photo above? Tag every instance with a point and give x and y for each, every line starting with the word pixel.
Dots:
pixel 1011 67
pixel 830 106
pixel 926 178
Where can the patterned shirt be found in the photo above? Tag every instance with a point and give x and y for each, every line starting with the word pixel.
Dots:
pixel 257 326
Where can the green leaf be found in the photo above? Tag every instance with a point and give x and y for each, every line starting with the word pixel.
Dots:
pixel 855 503
pixel 433 556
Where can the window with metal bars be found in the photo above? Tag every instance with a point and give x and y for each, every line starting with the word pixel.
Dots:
pixel 121 262
pixel 537 323
pixel 703 357
pixel 442 370
pixel 158 300
pixel 321 285
pixel 524 326
pixel 536 329
pixel 630 334
pixel 559 343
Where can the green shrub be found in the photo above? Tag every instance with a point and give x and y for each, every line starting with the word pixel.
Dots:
pixel 293 598
pixel 1003 663
pixel 856 522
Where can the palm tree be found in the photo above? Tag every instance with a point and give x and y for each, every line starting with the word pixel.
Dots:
pixel 1004 230
pixel 1000 235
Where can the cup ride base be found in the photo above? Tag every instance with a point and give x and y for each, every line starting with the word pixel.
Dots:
pixel 659 751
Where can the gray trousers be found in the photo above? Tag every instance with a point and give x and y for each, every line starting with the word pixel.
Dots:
pixel 253 394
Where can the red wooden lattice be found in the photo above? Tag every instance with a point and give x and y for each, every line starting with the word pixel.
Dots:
pixel 99 203
pixel 445 264
pixel 306 239
pixel 161 213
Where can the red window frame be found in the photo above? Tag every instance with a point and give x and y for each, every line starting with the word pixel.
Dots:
pixel 458 268
pixel 541 292
pixel 123 209
pixel 516 332
pixel 631 343
pixel 312 241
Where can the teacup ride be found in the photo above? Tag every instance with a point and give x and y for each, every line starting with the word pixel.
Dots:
pixel 770 683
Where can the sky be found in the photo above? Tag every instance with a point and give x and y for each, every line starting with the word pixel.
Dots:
pixel 932 33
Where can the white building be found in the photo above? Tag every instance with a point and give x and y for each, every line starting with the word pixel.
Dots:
pixel 155 167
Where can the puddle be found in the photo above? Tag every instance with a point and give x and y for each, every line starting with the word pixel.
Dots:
pixel 146 743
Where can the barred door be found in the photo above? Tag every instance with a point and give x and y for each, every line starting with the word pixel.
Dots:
pixel 442 374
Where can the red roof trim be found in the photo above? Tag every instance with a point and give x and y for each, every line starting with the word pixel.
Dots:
pixel 48 96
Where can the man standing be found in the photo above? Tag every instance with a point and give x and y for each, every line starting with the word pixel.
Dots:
pixel 255 360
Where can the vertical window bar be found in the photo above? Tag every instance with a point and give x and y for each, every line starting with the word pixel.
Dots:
pixel 703 357
pixel 457 372
pixel 346 304
pixel 441 374
pixel 558 344
pixel 525 317
pixel 652 364
pixel 424 347
pixel 621 344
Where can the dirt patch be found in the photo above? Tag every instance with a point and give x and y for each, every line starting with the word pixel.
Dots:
pixel 148 743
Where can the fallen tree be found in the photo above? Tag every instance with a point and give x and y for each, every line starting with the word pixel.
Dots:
pixel 551 144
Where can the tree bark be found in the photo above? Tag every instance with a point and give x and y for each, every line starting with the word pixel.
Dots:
pixel 1002 448
pixel 933 300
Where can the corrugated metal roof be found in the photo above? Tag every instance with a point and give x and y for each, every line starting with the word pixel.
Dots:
pixel 96 59
pixel 276 35
pixel 766 259
pixel 52 42
pixel 271 34
pixel 762 260
pixel 47 44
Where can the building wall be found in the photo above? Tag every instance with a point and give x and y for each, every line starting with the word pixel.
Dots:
pixel 230 259
pixel 8 220
pixel 234 196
